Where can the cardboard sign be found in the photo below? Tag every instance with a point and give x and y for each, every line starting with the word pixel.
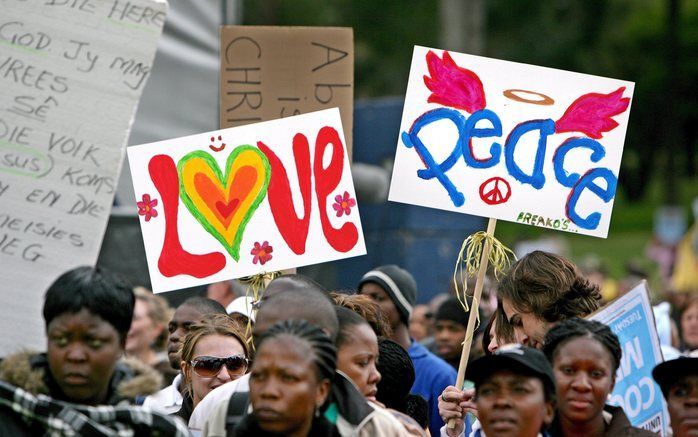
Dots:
pixel 246 200
pixel 631 318
pixel 71 74
pixel 511 141
pixel 276 72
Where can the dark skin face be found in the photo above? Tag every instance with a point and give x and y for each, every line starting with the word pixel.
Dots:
pixel 285 389
pixel 512 405
pixel 183 318
pixel 381 298
pixel 583 370
pixel 82 353
pixel 449 337
pixel 357 359
pixel 682 401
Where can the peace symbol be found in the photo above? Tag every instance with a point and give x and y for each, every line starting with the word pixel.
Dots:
pixel 495 191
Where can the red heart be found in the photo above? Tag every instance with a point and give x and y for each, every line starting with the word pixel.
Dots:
pixel 227 209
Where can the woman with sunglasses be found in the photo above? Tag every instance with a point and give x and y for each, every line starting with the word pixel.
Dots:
pixel 214 353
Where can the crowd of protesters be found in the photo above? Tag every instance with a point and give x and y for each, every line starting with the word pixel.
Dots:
pixel 307 361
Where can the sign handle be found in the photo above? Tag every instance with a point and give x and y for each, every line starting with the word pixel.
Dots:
pixel 484 260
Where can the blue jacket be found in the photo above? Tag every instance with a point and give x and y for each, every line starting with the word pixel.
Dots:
pixel 432 376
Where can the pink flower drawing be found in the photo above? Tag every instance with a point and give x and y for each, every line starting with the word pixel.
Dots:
pixel 262 253
pixel 147 207
pixel 343 204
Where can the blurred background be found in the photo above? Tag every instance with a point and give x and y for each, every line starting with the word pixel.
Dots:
pixel 653 43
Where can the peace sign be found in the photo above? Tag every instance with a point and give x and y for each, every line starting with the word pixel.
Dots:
pixel 495 191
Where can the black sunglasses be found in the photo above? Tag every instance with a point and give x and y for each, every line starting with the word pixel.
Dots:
pixel 208 367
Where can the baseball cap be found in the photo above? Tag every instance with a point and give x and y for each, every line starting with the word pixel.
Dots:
pixel 514 357
pixel 669 372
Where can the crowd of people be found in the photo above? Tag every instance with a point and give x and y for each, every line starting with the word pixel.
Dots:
pixel 307 361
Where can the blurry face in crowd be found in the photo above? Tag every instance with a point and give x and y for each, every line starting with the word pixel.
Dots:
pixel 689 326
pixel 143 330
pixel 357 358
pixel 583 370
pixel 529 328
pixel 183 318
pixel 449 338
pixel 220 346
pixel 380 297
pixel 82 353
pixel 420 322
pixel 682 401
pixel 512 405
pixel 494 344
pixel 284 387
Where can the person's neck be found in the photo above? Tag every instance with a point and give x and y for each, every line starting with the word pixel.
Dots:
pixel 401 335
pixel 303 431
pixel 592 428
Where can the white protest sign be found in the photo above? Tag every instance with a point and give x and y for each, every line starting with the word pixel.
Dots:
pixel 511 141
pixel 246 200
pixel 631 318
pixel 71 74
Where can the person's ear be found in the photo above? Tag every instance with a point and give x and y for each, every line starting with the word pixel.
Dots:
pixel 549 413
pixel 323 390
pixel 186 370
pixel 613 383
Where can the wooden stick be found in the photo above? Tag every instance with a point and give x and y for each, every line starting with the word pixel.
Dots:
pixel 484 261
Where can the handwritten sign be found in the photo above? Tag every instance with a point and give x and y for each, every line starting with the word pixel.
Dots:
pixel 242 201
pixel 630 317
pixel 71 74
pixel 511 141
pixel 275 72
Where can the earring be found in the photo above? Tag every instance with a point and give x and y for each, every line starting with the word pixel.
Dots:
pixel 317 411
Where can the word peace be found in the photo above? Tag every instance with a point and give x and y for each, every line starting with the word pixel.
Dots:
pixel 468 129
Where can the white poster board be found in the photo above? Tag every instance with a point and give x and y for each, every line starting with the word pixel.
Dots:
pixel 631 318
pixel 246 200
pixel 511 141
pixel 71 74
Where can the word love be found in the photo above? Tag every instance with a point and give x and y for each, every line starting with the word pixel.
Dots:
pixel 461 89
pixel 224 200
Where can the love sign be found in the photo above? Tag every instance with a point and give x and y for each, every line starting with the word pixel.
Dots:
pixel 246 200
pixel 511 141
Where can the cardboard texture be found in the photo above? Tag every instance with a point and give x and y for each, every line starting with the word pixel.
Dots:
pixel 246 200
pixel 71 75
pixel 511 141
pixel 275 72
pixel 630 317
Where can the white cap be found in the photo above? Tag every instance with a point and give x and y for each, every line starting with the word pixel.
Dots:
pixel 242 305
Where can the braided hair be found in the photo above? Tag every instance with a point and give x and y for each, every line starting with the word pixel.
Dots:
pixel 323 350
pixel 574 328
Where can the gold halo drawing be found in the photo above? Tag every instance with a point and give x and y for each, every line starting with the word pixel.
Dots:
pixel 542 99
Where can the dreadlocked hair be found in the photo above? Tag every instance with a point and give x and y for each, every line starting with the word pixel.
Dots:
pixel 575 328
pixel 323 350
pixel 550 287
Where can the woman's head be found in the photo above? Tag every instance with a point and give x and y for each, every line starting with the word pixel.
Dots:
pixel 542 289
pixel 87 312
pixel 397 375
pixel 357 351
pixel 214 353
pixel 515 391
pixel 150 317
pixel 291 376
pixel 585 356
pixel 367 309
pixel 689 324
pixel 499 332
